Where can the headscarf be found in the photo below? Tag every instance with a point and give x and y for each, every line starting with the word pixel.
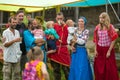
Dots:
pixel 85 20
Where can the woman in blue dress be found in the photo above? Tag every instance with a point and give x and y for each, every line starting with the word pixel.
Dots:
pixel 80 67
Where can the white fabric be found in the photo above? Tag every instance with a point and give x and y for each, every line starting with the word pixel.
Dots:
pixel 13 52
pixel 71 31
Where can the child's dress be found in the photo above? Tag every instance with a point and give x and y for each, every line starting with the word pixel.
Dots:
pixel 33 71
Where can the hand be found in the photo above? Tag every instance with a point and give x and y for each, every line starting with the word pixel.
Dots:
pixel 39 41
pixel 108 54
pixel 60 41
pixel 52 37
pixel 62 22
pixel 96 53
pixel 73 49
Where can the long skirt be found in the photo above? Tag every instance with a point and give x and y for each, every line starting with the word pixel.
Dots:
pixel 105 68
pixel 80 67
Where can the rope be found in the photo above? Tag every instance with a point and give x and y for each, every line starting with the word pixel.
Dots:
pixel 114 10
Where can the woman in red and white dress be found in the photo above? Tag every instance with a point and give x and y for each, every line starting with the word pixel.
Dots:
pixel 104 38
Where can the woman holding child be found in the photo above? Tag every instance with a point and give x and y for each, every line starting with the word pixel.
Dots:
pixel 80 67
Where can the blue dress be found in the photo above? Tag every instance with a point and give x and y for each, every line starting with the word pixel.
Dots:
pixel 80 67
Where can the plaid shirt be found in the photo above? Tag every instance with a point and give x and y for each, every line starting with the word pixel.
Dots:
pixel 104 39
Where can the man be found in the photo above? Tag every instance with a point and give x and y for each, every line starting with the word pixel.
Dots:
pixel 21 28
pixel 61 57
pixel 12 52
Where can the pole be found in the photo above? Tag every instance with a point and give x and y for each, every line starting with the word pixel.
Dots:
pixel 76 14
pixel 106 6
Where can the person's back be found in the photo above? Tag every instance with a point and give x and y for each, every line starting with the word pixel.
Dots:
pixel 35 69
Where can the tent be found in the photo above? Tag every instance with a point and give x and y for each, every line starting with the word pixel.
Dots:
pixel 88 3
pixel 31 5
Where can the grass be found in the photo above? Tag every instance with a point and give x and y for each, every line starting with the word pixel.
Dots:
pixel 1 71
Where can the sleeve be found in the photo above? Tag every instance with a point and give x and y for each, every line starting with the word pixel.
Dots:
pixel 5 35
pixel 47 31
pixel 55 34
pixel 112 33
pixel 95 36
pixel 80 41
pixel 29 39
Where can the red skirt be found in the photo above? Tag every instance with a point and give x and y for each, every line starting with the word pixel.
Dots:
pixel 105 68
pixel 61 56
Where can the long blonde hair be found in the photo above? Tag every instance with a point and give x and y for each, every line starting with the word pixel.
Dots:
pixel 106 19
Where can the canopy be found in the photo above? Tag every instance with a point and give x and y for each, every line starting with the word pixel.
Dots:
pixel 88 3
pixel 31 5
pixel 15 8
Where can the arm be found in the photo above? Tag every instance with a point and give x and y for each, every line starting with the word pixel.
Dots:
pixel 44 72
pixel 53 31
pixel 7 44
pixel 29 39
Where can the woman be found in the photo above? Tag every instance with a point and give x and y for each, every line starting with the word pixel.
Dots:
pixel 104 39
pixel 80 66
pixel 29 39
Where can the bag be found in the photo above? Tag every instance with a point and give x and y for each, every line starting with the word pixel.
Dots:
pixel 30 72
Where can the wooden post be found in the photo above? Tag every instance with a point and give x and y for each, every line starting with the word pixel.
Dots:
pixel 57 9
pixel 76 14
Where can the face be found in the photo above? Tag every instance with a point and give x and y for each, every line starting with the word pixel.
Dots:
pixel 59 19
pixel 70 23
pixel 81 22
pixel 20 17
pixel 13 23
pixel 35 23
pixel 101 19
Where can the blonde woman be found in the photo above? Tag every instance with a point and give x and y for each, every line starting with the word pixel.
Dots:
pixel 104 38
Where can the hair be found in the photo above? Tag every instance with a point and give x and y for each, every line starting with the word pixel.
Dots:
pixel 19 11
pixel 39 18
pixel 34 53
pixel 30 22
pixel 10 19
pixel 85 20
pixel 60 14
pixel 49 23
pixel 106 19
pixel 68 22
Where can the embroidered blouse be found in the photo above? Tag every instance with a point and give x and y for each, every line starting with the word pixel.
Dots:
pixel 82 37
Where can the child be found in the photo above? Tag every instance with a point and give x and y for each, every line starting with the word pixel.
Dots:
pixel 38 32
pixel 51 43
pixel 71 31
pixel 35 69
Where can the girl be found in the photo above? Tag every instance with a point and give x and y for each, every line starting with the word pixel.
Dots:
pixel 104 38
pixel 35 69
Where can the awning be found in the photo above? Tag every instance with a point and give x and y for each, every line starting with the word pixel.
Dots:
pixel 88 3
pixel 31 5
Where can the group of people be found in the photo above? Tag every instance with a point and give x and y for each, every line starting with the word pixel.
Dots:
pixel 63 44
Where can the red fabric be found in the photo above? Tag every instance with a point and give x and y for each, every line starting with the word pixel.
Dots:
pixel 105 68
pixel 62 55
pixel 111 32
